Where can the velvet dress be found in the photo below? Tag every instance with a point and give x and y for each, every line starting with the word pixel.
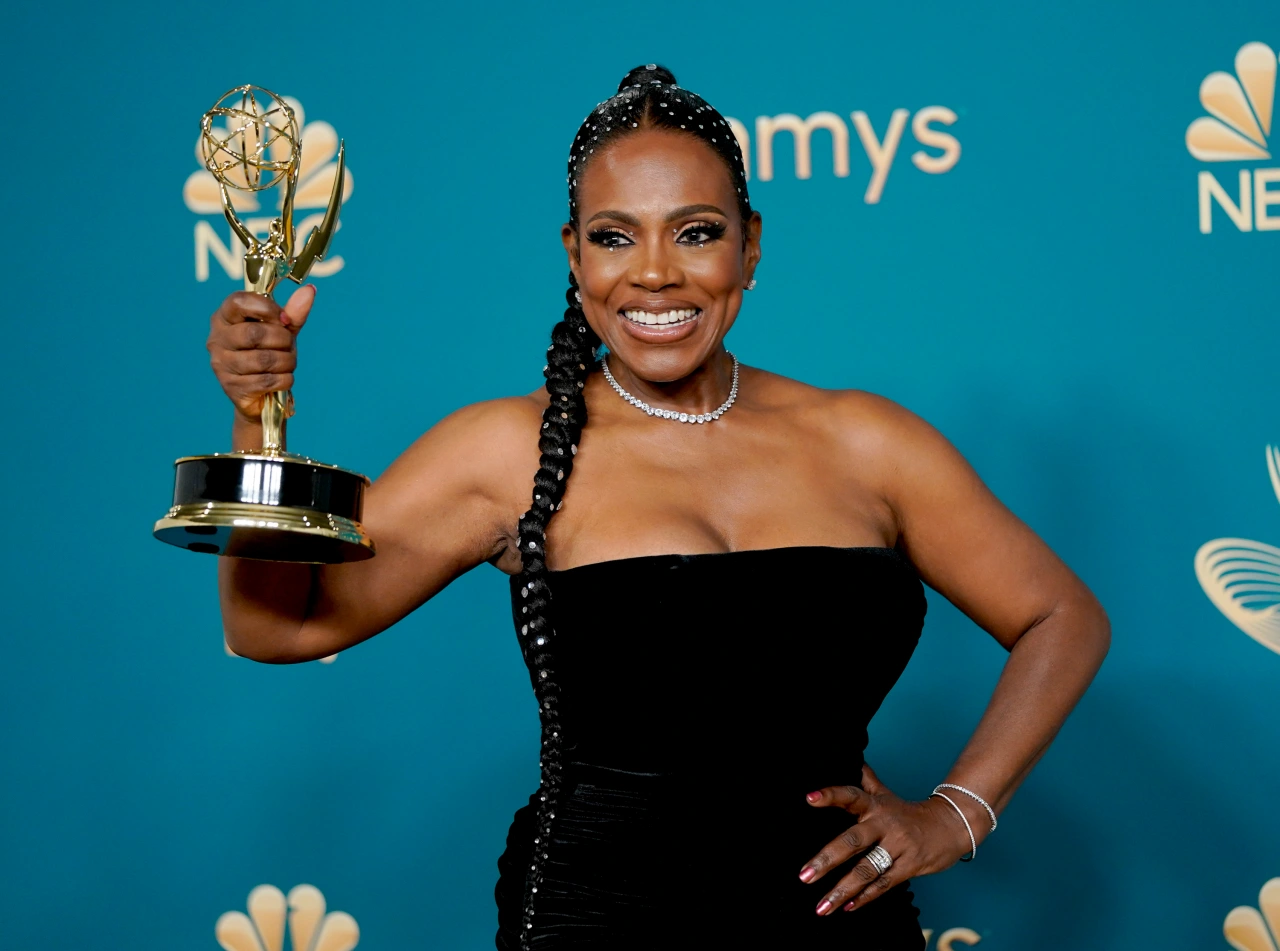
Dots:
pixel 700 698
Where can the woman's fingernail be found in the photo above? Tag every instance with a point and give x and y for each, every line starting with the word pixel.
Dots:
pixel 814 796
pixel 824 907
pixel 849 907
pixel 807 873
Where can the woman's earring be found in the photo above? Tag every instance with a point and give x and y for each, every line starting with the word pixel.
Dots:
pixel 578 296
pixel 751 284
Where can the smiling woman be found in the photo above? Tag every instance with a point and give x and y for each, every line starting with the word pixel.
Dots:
pixel 703 722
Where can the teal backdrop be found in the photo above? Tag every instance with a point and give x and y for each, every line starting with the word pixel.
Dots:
pixel 1050 302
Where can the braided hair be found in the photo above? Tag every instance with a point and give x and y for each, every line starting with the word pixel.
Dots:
pixel 647 98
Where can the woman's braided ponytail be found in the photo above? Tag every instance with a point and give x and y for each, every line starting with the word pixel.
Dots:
pixel 570 358
pixel 648 97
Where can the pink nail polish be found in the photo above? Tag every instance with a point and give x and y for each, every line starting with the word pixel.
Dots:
pixel 807 873
pixel 813 796
pixel 824 907
pixel 849 907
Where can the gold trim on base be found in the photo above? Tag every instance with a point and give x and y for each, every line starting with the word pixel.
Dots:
pixel 264 532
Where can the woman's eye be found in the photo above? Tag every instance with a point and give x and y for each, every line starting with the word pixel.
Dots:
pixel 704 232
pixel 609 238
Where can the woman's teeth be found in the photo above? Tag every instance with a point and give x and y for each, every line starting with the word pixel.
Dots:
pixel 667 317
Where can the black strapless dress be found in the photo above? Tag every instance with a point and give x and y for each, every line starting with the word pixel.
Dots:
pixel 700 698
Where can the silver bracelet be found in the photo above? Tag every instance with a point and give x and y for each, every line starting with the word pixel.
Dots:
pixel 972 795
pixel 973 843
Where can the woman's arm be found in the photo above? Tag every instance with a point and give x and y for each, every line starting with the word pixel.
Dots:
pixel 450 502
pixel 447 504
pixel 976 553
pixel 982 558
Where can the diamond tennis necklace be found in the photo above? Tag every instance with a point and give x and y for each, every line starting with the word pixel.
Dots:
pixel 672 414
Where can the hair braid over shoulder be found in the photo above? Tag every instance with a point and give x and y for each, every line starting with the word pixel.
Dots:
pixel 570 358
pixel 647 98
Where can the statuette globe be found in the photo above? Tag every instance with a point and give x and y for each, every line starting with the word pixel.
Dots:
pixel 256 144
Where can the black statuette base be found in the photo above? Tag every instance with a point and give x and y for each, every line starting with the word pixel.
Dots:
pixel 270 507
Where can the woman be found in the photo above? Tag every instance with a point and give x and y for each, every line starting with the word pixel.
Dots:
pixel 714 607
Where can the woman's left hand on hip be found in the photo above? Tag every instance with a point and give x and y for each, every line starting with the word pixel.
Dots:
pixel 920 837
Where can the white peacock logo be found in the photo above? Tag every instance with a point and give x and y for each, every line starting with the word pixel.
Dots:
pixel 1256 929
pixel 315 183
pixel 947 940
pixel 1241 109
pixel 1242 579
pixel 310 929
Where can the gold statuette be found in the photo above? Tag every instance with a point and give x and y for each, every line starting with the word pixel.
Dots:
pixel 267 503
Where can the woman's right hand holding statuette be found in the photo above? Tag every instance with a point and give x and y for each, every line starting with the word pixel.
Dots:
pixel 253 348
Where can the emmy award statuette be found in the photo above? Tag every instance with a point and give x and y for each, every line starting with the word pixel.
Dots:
pixel 268 503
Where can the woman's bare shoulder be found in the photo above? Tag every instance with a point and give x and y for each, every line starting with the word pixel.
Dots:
pixel 872 427
pixel 781 393
pixel 492 444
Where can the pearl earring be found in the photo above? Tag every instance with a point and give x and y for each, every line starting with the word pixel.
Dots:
pixel 751 284
pixel 578 296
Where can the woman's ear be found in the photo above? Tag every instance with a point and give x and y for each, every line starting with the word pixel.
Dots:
pixel 751 245
pixel 569 237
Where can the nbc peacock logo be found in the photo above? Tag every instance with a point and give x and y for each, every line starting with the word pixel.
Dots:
pixel 1256 929
pixel 315 183
pixel 1236 130
pixel 302 914
pixel 1242 579
pixel 951 938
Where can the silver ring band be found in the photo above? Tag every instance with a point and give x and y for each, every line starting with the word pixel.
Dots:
pixel 880 860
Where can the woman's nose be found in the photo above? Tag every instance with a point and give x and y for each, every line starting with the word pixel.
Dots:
pixel 654 268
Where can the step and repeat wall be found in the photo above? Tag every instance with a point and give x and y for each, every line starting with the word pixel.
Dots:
pixel 1052 231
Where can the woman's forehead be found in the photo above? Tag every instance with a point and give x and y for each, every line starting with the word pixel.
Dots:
pixel 655 169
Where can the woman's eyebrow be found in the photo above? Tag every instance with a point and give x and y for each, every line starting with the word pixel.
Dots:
pixel 694 210
pixel 632 220
pixel 617 216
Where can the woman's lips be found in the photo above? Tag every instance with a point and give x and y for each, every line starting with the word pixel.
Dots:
pixel 660 318
pixel 660 326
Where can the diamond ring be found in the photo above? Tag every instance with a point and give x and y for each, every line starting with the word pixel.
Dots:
pixel 881 860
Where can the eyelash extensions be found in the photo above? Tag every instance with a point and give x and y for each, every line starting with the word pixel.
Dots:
pixel 714 231
pixel 617 238
pixel 609 237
